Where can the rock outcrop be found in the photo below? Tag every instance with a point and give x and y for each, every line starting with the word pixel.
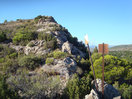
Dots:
pixel 36 48
pixel 109 92
pixel 46 19
pixel 65 68
pixel 47 24
pixel 68 47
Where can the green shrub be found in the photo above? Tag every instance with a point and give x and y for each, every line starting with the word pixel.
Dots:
pixel 13 55
pixel 5 92
pixel 114 70
pixel 59 54
pixel 23 36
pixel 1 60
pixel 85 64
pixel 95 50
pixel 95 56
pixel 2 36
pixel 8 59
pixel 51 41
pixel 50 54
pixel 127 94
pixel 5 50
pixel 122 54
pixel 31 62
pixel 49 61
pixel 50 44
pixel 36 86
pixel 9 65
pixel 45 36
pixel 124 89
pixel 78 88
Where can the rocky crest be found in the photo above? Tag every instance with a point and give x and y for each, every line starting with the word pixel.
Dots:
pixel 50 26
pixel 66 67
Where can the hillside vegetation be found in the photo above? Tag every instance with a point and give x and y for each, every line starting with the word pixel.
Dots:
pixel 123 55
pixel 121 48
pixel 40 59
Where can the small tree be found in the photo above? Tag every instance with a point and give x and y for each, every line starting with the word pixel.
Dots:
pixel 31 62
pixel 5 21
pixel 5 92
pixel 95 50
pixel 2 36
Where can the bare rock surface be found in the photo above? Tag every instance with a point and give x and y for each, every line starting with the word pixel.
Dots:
pixel 63 67
pixel 36 48
pixel 68 47
pixel 109 92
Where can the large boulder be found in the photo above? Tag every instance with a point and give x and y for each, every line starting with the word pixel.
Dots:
pixel 68 47
pixel 65 68
pixel 109 91
pixel 93 95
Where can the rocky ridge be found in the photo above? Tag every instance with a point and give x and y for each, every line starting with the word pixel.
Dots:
pixel 64 68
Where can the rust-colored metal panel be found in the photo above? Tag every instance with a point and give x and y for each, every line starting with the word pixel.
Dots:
pixel 106 48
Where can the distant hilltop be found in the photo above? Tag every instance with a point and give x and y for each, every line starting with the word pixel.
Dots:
pixel 121 48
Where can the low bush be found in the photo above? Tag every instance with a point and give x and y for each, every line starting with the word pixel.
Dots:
pixel 50 40
pixel 39 86
pixel 59 54
pixel 124 89
pixel 5 92
pixel 78 88
pixel 45 36
pixel 31 62
pixel 13 55
pixel 50 44
pixel 49 61
pixel 5 50
pixel 2 36
pixel 23 36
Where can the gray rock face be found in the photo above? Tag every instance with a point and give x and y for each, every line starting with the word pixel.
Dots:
pixel 65 68
pixel 37 48
pixel 109 92
pixel 46 19
pixel 17 48
pixel 92 95
pixel 68 47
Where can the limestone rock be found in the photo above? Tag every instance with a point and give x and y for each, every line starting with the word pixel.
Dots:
pixel 46 19
pixel 109 91
pixel 18 48
pixel 37 48
pixel 92 95
pixel 65 68
pixel 68 47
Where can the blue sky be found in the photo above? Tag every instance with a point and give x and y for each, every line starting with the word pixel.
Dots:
pixel 108 21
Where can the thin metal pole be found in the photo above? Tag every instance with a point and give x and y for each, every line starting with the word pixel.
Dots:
pixel 92 67
pixel 103 73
